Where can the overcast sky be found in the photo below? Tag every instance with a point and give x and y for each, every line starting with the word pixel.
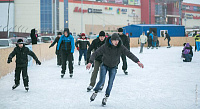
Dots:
pixel 192 1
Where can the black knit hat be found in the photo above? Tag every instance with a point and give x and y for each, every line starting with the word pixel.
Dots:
pixel 59 33
pixel 115 36
pixel 20 41
pixel 101 33
pixel 120 30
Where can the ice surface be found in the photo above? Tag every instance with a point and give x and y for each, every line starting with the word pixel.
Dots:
pixel 166 82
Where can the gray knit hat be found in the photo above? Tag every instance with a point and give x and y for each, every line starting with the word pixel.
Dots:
pixel 115 36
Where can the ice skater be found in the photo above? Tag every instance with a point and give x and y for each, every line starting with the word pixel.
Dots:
pixel 81 45
pixel 111 51
pixel 21 53
pixel 142 40
pixel 58 52
pixel 168 39
pixel 66 42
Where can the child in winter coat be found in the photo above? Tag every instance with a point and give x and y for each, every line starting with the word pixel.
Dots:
pixel 187 52
pixel 21 53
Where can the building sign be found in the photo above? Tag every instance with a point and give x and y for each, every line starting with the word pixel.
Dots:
pixel 118 1
pixel 131 2
pixel 77 9
pixel 91 10
pixel 191 16
pixel 108 8
pixel 191 8
pixel 122 11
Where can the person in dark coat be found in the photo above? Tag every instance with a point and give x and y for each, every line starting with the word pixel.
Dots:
pixel 187 52
pixel 96 43
pixel 33 37
pixel 126 43
pixel 168 38
pixel 21 53
pixel 66 45
pixel 195 33
pixel 81 45
pixel 58 52
pixel 149 40
pixel 111 51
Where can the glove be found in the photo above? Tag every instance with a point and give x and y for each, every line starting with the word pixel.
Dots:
pixel 77 48
pixel 38 62
pixel 9 61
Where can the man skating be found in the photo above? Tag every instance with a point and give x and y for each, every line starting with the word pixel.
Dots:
pixel 111 51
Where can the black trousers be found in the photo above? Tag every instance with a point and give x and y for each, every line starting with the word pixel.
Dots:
pixel 149 42
pixel 18 71
pixel 59 62
pixel 168 42
pixel 67 56
pixel 124 67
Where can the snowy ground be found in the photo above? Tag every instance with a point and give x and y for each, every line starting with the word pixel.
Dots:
pixel 164 83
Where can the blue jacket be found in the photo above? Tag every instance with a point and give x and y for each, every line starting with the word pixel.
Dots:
pixel 67 43
pixel 151 34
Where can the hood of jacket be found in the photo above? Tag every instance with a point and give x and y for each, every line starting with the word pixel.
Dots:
pixel 109 44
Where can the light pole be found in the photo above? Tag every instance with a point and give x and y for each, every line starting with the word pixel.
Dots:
pixel 55 18
pixel 81 16
pixel 9 32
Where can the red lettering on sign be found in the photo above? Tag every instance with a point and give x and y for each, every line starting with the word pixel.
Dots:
pixel 196 17
pixel 77 9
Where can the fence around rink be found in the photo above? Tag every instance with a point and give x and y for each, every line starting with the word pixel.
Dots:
pixel 44 53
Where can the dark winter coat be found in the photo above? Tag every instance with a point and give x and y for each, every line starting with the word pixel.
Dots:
pixel 187 48
pixel 33 37
pixel 22 56
pixel 125 41
pixel 167 37
pixel 96 43
pixel 111 54
pixel 82 43
pixel 54 42
pixel 66 43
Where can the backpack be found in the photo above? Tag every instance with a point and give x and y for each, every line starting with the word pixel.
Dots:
pixel 186 51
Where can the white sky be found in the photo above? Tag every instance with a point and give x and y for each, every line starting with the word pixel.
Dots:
pixel 192 1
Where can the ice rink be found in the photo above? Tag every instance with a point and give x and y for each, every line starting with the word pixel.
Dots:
pixel 166 82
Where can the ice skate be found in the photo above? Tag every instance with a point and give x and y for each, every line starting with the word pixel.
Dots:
pixel 93 96
pixel 26 88
pixel 15 86
pixel 125 72
pixel 79 62
pixel 104 101
pixel 62 75
pixel 101 88
pixel 70 75
pixel 89 88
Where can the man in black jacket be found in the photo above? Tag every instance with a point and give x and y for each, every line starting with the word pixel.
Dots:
pixel 168 38
pixel 21 53
pixel 96 43
pixel 81 45
pixel 58 52
pixel 111 51
pixel 126 43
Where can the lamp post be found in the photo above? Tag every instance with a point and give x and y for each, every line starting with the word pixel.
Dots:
pixel 81 16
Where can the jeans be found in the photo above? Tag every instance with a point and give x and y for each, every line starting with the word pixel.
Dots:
pixel 198 45
pixel 112 73
pixel 154 44
pixel 141 47
pixel 81 52
pixel 168 42
pixel 187 57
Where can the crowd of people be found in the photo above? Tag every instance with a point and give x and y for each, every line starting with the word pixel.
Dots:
pixel 106 49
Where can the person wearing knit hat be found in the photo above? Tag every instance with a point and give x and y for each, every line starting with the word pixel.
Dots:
pixel 67 46
pixel 96 43
pixel 82 44
pixel 21 53
pixel 58 52
pixel 126 43
pixel 110 52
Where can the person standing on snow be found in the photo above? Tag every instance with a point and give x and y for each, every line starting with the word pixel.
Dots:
pixel 197 40
pixel 168 38
pixel 96 43
pixel 149 39
pixel 187 52
pixel 155 39
pixel 142 40
pixel 58 52
pixel 126 43
pixel 111 51
pixel 81 45
pixel 21 53
pixel 66 42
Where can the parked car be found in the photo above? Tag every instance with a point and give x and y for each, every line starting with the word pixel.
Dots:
pixel 6 43
pixel 47 39
pixel 14 40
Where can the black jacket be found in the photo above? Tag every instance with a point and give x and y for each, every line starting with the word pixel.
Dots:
pixel 111 54
pixel 22 56
pixel 96 43
pixel 125 41
pixel 168 37
pixel 54 42
pixel 82 43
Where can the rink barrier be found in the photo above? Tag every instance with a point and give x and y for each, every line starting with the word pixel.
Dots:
pixel 42 51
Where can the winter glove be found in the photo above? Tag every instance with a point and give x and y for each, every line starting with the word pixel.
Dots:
pixel 9 61
pixel 38 62
pixel 77 48
pixel 50 46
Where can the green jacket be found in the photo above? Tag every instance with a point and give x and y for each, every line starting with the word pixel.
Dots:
pixel 197 38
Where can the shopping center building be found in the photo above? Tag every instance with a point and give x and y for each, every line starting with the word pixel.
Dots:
pixel 94 15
